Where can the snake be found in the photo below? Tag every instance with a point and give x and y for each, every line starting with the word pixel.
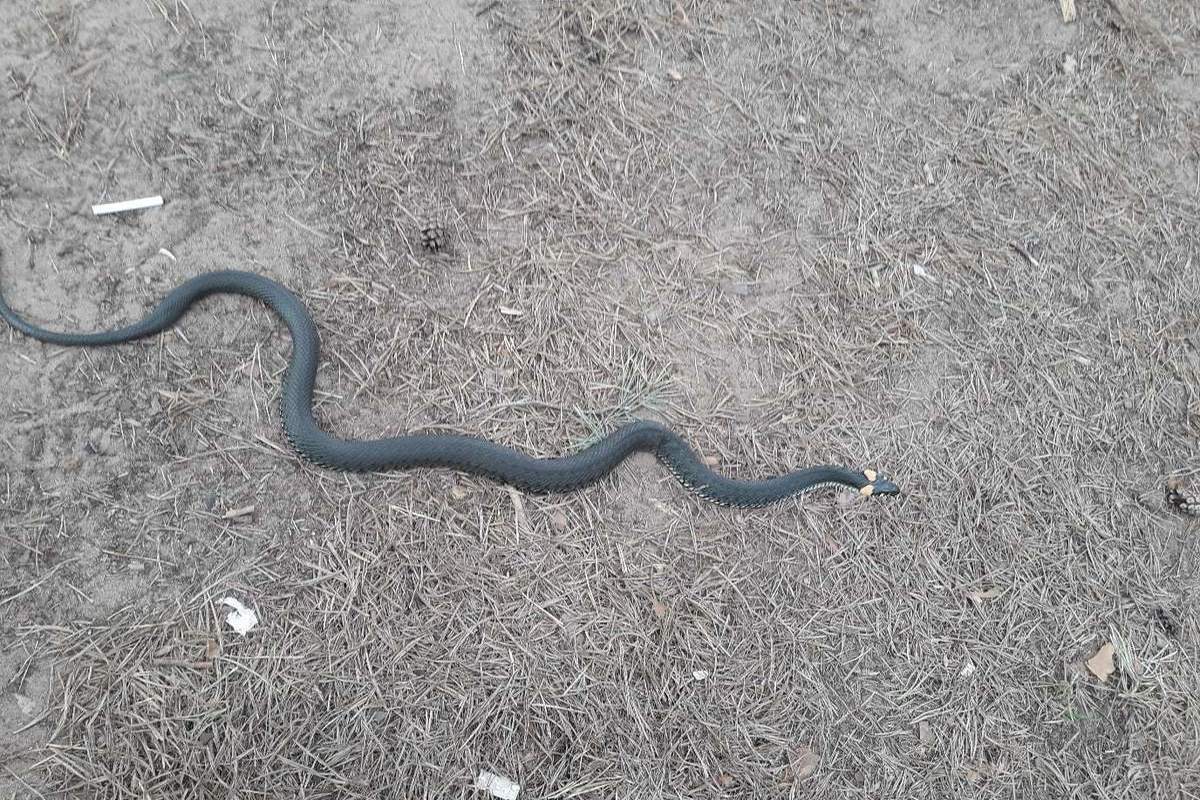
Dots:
pixel 461 452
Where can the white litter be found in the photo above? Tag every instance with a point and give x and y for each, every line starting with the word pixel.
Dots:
pixel 700 674
pixel 922 272
pixel 497 786
pixel 128 205
pixel 241 619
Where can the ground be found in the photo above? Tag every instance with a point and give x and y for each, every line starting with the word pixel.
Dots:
pixel 953 241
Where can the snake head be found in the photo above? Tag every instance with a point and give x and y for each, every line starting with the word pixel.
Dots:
pixel 877 484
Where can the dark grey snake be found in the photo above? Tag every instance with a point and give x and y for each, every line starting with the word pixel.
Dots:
pixel 465 453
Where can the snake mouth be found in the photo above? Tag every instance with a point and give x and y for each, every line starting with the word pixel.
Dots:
pixel 878 484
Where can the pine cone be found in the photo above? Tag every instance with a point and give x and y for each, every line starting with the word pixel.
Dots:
pixel 434 237
pixel 1178 499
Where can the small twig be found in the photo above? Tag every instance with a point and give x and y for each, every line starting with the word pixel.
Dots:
pixel 302 226
pixel 38 583
pixel 1020 248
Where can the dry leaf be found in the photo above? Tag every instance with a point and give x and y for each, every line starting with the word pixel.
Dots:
pixel 1103 664
pixel 804 764
pixel 674 75
pixel 712 461
pixel 659 608
pixel 458 493
pixel 558 521
pixel 977 772
pixel 724 779
pixel 979 597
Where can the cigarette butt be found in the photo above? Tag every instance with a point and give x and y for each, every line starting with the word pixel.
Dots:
pixel 128 205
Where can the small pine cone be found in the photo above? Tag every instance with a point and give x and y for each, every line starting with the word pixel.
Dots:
pixel 434 237
pixel 1181 501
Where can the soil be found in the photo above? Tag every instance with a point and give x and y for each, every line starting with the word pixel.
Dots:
pixel 952 241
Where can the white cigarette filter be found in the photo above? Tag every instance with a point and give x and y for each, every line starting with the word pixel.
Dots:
pixel 127 205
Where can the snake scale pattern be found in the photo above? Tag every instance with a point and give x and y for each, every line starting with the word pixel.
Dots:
pixel 467 454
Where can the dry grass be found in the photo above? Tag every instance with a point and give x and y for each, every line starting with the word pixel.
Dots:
pixel 748 222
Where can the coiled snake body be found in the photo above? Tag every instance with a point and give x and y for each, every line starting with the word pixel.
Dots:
pixel 464 453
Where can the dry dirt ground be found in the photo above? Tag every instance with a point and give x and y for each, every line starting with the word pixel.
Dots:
pixel 956 241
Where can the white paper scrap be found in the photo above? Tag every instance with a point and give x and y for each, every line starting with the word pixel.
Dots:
pixel 127 205
pixel 497 786
pixel 241 619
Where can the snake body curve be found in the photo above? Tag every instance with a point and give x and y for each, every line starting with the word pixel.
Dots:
pixel 468 454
